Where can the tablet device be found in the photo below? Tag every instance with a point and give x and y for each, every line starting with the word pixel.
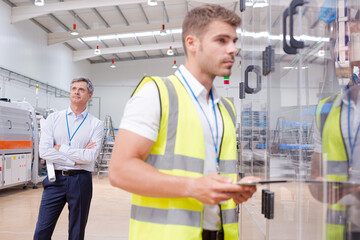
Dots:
pixel 262 182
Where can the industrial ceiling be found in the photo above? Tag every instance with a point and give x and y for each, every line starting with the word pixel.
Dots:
pixel 126 30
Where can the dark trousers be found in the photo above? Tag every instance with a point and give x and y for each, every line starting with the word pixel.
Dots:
pixel 75 190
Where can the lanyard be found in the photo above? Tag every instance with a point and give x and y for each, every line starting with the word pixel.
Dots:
pixel 352 144
pixel 67 123
pixel 207 119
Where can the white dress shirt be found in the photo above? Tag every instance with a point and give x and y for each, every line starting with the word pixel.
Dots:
pixel 142 116
pixel 55 132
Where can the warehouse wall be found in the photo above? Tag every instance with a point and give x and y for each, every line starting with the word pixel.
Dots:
pixel 115 86
pixel 24 50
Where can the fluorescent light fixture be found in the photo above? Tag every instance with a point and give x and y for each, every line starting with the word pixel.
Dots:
pixel 125 35
pixel 129 35
pixel 249 3
pixel 288 67
pixel 152 2
pixel 260 4
pixel 97 50
pixel 90 39
pixel 113 64
pixel 163 30
pixel 39 2
pixel 280 36
pixel 144 34
pixel 170 52
pixel 107 37
pixel 177 30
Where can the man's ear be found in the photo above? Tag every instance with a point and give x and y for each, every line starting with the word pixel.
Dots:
pixel 90 95
pixel 191 43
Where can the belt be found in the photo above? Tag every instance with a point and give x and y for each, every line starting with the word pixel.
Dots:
pixel 212 235
pixel 69 172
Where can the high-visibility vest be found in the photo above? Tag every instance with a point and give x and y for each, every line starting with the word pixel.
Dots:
pixel 180 150
pixel 328 121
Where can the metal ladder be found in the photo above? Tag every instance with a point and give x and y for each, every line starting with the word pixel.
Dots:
pixel 102 163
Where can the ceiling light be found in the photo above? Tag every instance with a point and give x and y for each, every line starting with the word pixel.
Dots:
pixel 321 52
pixel 39 2
pixel 174 66
pixel 152 2
pixel 113 64
pixel 163 31
pixel 249 3
pixel 97 50
pixel 170 51
pixel 74 32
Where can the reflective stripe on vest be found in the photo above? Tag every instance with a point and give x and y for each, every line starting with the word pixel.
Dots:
pixel 166 216
pixel 180 150
pixel 337 167
pixel 229 109
pixel 335 217
pixel 176 216
pixel 328 122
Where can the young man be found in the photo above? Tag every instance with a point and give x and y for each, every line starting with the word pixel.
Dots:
pixel 336 148
pixel 71 140
pixel 176 147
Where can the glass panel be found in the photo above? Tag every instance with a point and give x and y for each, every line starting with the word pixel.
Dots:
pixel 312 122
pixel 254 113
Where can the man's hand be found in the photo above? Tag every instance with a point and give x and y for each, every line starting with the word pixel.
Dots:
pixel 213 189
pixel 57 147
pixel 246 192
pixel 90 145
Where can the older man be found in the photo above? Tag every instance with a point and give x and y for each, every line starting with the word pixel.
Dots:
pixel 71 140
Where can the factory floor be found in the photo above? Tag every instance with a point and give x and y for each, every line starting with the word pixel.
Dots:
pixel 296 215
pixel 108 220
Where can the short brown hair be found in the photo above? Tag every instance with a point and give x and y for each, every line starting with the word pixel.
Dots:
pixel 199 18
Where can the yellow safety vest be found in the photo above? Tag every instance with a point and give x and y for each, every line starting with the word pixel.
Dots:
pixel 180 150
pixel 328 121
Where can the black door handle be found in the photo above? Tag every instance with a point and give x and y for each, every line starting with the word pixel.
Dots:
pixel 257 71
pixel 286 47
pixel 292 10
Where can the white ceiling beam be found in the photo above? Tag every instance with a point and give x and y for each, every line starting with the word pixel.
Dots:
pixel 84 54
pixel 61 37
pixel 22 13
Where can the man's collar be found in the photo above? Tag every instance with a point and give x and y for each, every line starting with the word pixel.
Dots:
pixel 83 114
pixel 195 85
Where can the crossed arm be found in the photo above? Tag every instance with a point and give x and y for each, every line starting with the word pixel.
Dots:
pixel 65 155
pixel 129 171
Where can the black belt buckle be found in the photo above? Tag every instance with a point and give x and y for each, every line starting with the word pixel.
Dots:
pixel 212 235
pixel 219 235
pixel 65 173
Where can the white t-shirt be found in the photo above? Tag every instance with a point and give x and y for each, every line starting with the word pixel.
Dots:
pixel 142 116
